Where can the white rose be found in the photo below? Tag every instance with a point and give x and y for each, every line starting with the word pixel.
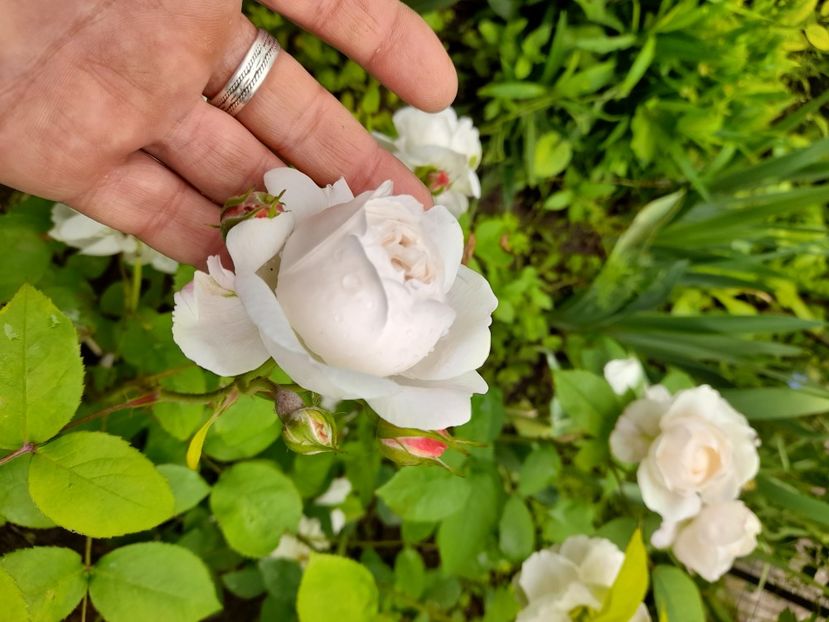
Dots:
pixel 703 451
pixel 442 142
pixel 579 573
pixel 710 542
pixel 92 238
pixel 353 297
pixel 625 375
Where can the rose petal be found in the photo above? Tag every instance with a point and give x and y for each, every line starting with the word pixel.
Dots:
pixel 338 192
pixel 668 504
pixel 212 328
pixel 299 193
pixel 598 560
pixel 430 405
pixel 254 242
pixel 466 346
pixel 264 310
pixel 444 231
pixel 546 572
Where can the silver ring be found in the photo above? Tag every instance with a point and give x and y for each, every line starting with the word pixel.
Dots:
pixel 249 75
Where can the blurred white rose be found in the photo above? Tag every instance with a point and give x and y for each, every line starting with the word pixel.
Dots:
pixel 445 150
pixel 577 574
pixel 309 538
pixel 699 450
pixel 353 297
pixel 92 238
pixel 625 374
pixel 709 543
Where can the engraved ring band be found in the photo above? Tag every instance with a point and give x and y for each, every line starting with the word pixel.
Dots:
pixel 249 76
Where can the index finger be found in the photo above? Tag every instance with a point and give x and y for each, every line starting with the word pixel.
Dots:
pixel 386 37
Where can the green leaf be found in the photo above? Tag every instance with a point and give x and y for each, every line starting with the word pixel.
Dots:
pixel 181 419
pixel 618 531
pixel 24 255
pixel 336 588
pixel 768 403
pixel 245 583
pixel 14 606
pixel 791 501
pixel 818 36
pixel 187 486
pixel 409 573
pixel 51 579
pixel 677 596
pixel 255 504
pixel 245 429
pixel 538 470
pixel 150 582
pixel 424 493
pixel 513 90
pixel 587 399
pixel 552 155
pixel 465 533
pixel 630 586
pixel 517 531
pixel 638 68
pixel 41 378
pixel 16 506
pixel 98 485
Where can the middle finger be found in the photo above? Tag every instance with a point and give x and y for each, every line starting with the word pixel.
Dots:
pixel 305 125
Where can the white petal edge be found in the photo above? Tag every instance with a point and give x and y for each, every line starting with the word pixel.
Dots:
pixel 254 242
pixel 466 346
pixel 213 330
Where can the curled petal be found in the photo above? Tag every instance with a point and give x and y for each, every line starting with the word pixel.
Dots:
pixel 253 243
pixel 671 506
pixel 443 230
pixel 466 345
pixel 212 328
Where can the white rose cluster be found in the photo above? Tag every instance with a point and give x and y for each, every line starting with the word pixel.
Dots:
pixel 354 297
pixel 92 238
pixel 443 150
pixel 695 453
pixel 560 581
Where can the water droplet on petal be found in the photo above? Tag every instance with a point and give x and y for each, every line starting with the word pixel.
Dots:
pixel 351 282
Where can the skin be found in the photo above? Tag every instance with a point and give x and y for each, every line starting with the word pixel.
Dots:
pixel 101 107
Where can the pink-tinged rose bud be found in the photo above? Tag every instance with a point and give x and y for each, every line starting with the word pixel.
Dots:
pixel 309 431
pixel 252 204
pixel 407 446
pixel 438 181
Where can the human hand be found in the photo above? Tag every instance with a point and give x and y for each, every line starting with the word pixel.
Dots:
pixel 102 107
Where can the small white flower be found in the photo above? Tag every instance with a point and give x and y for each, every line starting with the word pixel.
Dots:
pixel 693 449
pixel 297 548
pixel 709 543
pixel 353 297
pixel 92 238
pixel 625 375
pixel 577 574
pixel 336 493
pixel 448 148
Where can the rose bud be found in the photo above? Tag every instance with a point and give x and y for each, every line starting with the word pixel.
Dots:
pixel 408 447
pixel 309 431
pixel 252 204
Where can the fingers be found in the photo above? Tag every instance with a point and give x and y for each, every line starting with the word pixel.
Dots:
pixel 387 38
pixel 215 153
pixel 303 123
pixel 144 198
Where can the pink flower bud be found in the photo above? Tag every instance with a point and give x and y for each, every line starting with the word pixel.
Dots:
pixel 407 447
pixel 252 204
pixel 309 430
pixel 438 181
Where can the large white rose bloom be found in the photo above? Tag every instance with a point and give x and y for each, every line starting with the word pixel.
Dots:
pixel 577 574
pixel 699 450
pixel 709 543
pixel 92 238
pixel 439 141
pixel 353 297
